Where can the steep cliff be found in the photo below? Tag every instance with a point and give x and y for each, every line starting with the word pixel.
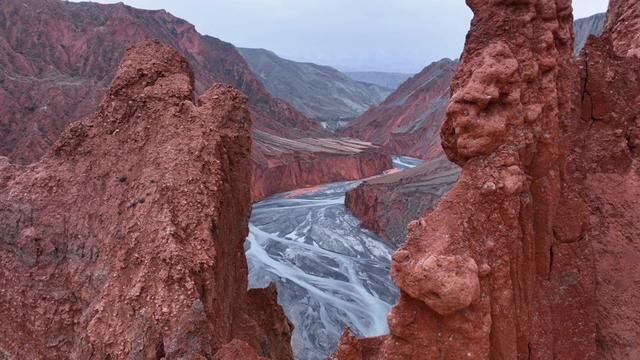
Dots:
pixel 394 200
pixel 57 59
pixel 388 203
pixel 623 26
pixel 531 253
pixel 286 164
pixel 610 134
pixel 408 121
pixel 126 239
pixel 320 92
pixel 495 271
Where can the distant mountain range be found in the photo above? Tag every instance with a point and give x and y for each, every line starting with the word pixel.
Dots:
pixel 385 79
pixel 583 28
pixel 321 92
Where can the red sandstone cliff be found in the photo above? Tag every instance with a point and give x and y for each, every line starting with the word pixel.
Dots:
pixel 387 204
pixel 285 164
pixel 57 59
pixel 493 271
pixel 408 121
pixel 126 239
pixel 531 254
pixel 610 134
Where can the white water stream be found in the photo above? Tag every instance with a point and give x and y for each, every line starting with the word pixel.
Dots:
pixel 330 273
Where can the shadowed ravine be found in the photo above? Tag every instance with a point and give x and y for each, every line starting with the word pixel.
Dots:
pixel 330 273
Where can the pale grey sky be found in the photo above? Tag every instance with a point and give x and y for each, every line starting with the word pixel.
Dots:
pixel 384 35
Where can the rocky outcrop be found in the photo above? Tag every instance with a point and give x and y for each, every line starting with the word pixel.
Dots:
pixel 583 28
pixel 58 58
pixel 610 134
pixel 126 239
pixel 320 92
pixel 409 120
pixel 623 26
pixel 495 271
pixel 394 200
pixel 285 164
pixel 531 254
pixel 388 203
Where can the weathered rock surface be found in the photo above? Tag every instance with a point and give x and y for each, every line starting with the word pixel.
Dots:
pixel 546 204
pixel 58 58
pixel 495 271
pixel 610 133
pixel 583 28
pixel 286 164
pixel 623 25
pixel 388 203
pixel 320 92
pixel 125 241
pixel 408 121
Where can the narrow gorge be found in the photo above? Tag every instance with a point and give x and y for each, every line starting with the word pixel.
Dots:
pixel 167 195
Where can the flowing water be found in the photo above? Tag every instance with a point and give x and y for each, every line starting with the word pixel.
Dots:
pixel 330 272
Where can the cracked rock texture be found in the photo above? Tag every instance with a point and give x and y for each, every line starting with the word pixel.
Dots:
pixel 545 206
pixel 125 241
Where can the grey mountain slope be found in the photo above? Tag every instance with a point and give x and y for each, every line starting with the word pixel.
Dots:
pixel 582 28
pixel 386 79
pixel 320 92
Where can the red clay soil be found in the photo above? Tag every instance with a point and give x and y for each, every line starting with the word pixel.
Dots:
pixel 126 239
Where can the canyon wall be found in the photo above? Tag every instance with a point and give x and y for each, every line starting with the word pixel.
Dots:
pixel 286 164
pixel 531 254
pixel 387 204
pixel 58 59
pixel 408 121
pixel 610 134
pixel 126 239
pixel 495 271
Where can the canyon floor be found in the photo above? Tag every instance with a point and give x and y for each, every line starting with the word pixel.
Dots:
pixel 330 272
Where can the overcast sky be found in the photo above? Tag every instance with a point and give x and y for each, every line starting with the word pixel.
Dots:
pixel 383 35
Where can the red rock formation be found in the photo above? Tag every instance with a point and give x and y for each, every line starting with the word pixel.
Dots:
pixel 408 121
pixel 126 239
pixel 57 59
pixel 499 269
pixel 285 164
pixel 388 203
pixel 610 134
pixel 623 26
